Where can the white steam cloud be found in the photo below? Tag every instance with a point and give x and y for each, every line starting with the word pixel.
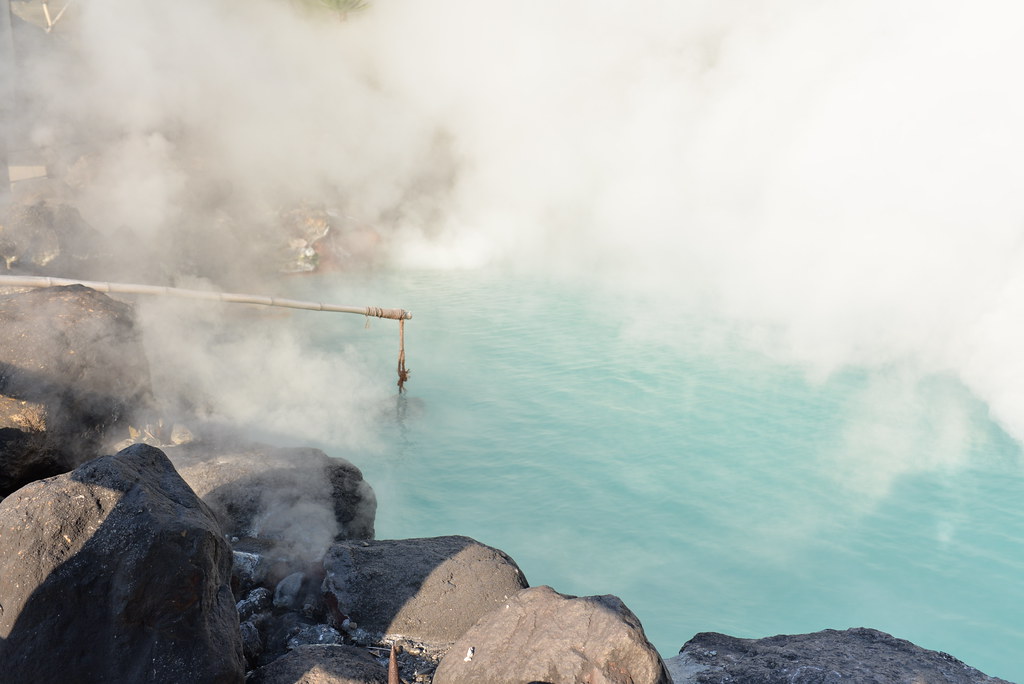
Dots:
pixel 843 175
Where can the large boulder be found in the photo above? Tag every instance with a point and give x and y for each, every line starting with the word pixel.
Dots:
pixel 115 572
pixel 299 497
pixel 331 664
pixel 424 590
pixel 852 655
pixel 72 370
pixel 543 636
pixel 41 236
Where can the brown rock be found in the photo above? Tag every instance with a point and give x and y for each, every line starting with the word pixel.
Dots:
pixel 330 664
pixel 543 636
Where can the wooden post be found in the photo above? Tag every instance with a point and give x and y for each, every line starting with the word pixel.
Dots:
pixel 6 100
pixel 393 666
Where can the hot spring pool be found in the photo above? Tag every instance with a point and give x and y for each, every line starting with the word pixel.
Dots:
pixel 668 462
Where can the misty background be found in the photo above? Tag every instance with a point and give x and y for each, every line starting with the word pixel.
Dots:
pixel 841 179
pixel 823 190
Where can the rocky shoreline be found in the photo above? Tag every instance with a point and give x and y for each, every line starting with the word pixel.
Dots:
pixel 194 556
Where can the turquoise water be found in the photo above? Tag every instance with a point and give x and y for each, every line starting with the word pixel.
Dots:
pixel 668 461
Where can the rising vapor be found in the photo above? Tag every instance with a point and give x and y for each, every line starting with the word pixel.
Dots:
pixel 842 177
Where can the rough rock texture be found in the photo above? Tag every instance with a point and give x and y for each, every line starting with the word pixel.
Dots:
pixel 300 496
pixel 331 664
pixel 115 572
pixel 854 655
pixel 72 369
pixel 427 590
pixel 38 236
pixel 543 636
pixel 27 456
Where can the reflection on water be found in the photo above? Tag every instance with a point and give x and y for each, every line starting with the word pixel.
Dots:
pixel 708 486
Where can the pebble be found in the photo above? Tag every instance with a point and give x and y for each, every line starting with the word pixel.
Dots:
pixel 257 601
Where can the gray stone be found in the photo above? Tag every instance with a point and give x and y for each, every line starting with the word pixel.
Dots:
pixel 427 590
pixel 248 569
pixel 853 655
pixel 115 572
pixel 257 601
pixel 252 641
pixel 330 664
pixel 287 595
pixel 314 634
pixel 300 497
pixel 543 636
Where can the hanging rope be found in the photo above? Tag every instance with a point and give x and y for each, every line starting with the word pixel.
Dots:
pixel 400 315
pixel 403 372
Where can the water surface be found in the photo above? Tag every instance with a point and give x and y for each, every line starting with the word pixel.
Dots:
pixel 609 448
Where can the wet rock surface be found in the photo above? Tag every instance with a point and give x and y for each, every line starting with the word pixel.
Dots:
pixel 429 590
pixel 115 572
pixel 852 655
pixel 543 636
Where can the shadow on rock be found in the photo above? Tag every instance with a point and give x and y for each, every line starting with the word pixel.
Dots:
pixel 113 573
pixel 429 590
pixel 422 593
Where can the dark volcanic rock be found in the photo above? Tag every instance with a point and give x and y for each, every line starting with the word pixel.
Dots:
pixel 27 456
pixel 331 664
pixel 854 655
pixel 75 354
pixel 257 601
pixel 543 636
pixel 115 572
pixel 427 590
pixel 300 496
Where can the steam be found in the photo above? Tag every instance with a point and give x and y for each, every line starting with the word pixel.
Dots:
pixel 841 177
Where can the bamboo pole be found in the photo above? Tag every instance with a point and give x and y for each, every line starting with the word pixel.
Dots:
pixel 234 298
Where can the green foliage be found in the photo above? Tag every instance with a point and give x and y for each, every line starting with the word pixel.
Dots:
pixel 341 7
